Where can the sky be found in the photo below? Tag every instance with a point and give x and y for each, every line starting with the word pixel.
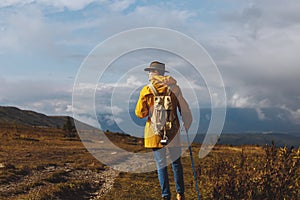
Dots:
pixel 254 43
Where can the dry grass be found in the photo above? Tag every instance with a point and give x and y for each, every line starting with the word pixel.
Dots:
pixel 41 163
pixel 226 173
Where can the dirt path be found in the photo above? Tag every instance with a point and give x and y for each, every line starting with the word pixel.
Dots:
pixel 96 184
pixel 109 177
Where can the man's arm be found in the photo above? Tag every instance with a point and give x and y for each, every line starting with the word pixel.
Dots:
pixel 141 108
pixel 185 111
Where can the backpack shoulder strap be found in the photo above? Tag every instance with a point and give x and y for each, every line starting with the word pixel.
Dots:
pixel 153 89
pixel 169 91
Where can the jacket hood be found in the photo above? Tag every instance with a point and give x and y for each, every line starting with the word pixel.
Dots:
pixel 162 82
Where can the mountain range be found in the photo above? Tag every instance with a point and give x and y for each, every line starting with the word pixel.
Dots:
pixel 237 120
pixel 13 115
pixel 242 126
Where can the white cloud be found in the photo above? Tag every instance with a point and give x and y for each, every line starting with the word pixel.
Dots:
pixel 255 46
pixel 120 5
pixel 133 81
pixel 295 114
pixel 61 4
pixel 56 106
pixel 239 101
pixel 143 16
pixel 124 83
pixel 87 119
pixel 72 5
pixel 6 3
pixel 161 16
pixel 110 120
pixel 69 108
pixel 43 96
pixel 109 109
pixel 27 32
pixel 261 115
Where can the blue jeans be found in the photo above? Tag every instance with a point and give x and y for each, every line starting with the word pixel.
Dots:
pixel 161 164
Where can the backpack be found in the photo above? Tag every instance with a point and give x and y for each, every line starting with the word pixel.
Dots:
pixel 162 116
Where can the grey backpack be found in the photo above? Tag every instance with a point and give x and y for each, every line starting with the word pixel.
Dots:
pixel 162 116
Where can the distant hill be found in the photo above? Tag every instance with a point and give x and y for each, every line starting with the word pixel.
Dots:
pixel 250 120
pixel 237 139
pixel 242 126
pixel 238 120
pixel 13 115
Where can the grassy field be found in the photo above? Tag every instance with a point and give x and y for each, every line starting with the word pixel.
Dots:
pixel 42 163
pixel 248 172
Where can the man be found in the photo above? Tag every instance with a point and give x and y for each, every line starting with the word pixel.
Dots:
pixel 144 108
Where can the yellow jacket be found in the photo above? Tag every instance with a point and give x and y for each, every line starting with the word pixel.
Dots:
pixel 145 104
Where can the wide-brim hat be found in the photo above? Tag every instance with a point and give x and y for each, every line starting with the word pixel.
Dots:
pixel 156 66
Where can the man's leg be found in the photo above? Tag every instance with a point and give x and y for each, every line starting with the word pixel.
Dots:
pixel 175 153
pixel 161 164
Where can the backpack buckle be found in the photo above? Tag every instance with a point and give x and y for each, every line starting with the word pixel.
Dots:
pixel 164 141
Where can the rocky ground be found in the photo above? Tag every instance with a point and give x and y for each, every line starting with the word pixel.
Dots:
pixel 36 164
pixel 34 183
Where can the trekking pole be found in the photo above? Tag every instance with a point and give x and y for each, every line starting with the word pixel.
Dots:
pixel 193 165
